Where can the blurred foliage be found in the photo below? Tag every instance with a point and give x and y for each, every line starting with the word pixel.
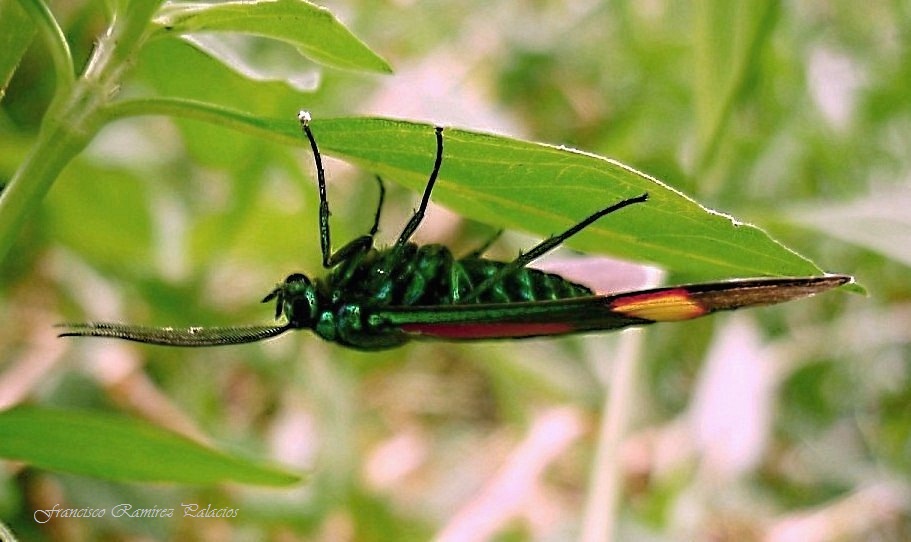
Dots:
pixel 794 116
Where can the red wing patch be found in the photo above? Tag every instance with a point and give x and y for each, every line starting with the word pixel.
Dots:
pixel 661 306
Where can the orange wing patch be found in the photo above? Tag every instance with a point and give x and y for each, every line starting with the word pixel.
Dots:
pixel 664 306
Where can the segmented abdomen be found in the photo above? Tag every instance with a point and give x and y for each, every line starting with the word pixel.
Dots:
pixel 430 275
pixel 523 284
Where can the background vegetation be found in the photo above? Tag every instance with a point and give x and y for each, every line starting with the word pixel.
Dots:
pixel 787 423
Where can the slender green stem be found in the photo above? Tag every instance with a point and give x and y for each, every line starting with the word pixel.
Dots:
pixel 74 116
pixel 206 112
pixel 32 180
pixel 606 481
pixel 115 51
pixel 17 28
pixel 56 43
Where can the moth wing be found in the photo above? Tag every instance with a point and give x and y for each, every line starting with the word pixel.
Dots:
pixel 594 313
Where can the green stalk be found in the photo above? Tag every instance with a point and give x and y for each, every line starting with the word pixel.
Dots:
pixel 602 506
pixel 55 42
pixel 74 116
pixel 16 32
pixel 201 111
pixel 54 149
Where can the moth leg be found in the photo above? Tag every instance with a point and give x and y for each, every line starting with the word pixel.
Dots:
pixel 549 244
pixel 325 241
pixel 364 242
pixel 419 214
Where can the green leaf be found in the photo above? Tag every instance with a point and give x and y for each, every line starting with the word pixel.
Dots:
pixel 534 187
pixel 16 32
pixel 177 69
pixel 116 448
pixel 728 40
pixel 312 29
pixel 545 189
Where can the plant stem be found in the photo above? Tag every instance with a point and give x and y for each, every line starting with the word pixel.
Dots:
pixel 606 481
pixel 74 115
pixel 17 28
pixel 54 149
pixel 55 42
pixel 206 112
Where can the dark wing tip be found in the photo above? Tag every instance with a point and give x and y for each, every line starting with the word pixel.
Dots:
pixel 770 291
pixel 839 280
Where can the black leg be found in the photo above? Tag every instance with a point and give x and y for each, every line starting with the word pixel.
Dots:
pixel 551 243
pixel 325 241
pixel 362 243
pixel 547 245
pixel 379 207
pixel 419 214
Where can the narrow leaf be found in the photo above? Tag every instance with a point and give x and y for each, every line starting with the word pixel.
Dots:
pixel 312 29
pixel 116 448
pixel 545 189
pixel 535 187
pixel 728 39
